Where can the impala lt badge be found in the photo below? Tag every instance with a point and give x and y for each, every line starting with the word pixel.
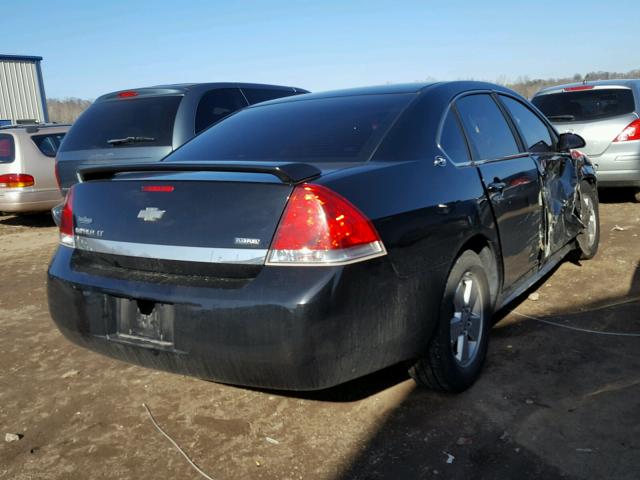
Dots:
pixel 151 214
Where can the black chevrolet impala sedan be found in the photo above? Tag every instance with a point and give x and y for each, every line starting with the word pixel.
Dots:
pixel 306 241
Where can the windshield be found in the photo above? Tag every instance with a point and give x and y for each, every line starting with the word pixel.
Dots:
pixel 316 130
pixel 585 105
pixel 138 122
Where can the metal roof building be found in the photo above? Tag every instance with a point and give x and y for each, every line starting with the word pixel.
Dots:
pixel 22 97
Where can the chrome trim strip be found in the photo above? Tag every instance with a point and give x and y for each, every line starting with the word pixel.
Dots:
pixel 381 252
pixel 172 252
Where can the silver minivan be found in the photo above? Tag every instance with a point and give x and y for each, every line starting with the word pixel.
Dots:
pixel 27 167
pixel 606 114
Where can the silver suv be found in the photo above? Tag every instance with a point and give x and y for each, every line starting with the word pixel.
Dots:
pixel 606 114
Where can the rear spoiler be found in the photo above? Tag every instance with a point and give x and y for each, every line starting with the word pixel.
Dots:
pixel 286 172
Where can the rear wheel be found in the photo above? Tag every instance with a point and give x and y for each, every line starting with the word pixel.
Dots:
pixel 636 195
pixel 458 348
pixel 589 238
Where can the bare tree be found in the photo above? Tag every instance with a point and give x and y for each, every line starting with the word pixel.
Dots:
pixel 66 110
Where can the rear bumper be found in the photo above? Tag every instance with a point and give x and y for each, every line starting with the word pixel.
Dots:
pixel 22 200
pixel 288 328
pixel 619 166
pixel 620 178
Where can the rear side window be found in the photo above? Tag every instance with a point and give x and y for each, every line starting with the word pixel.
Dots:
pixel 452 141
pixel 585 105
pixel 48 144
pixel 316 130
pixel 536 134
pixel 486 127
pixel 217 104
pixel 7 148
pixel 257 95
pixel 148 121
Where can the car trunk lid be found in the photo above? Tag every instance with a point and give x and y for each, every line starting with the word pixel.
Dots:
pixel 598 135
pixel 213 213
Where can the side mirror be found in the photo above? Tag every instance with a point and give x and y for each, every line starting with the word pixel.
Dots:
pixel 568 141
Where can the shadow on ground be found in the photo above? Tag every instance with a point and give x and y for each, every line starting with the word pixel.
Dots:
pixel 32 220
pixel 577 415
pixel 616 195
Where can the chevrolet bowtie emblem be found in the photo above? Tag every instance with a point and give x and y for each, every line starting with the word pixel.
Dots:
pixel 151 214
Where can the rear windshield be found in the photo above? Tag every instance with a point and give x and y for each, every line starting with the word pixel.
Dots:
pixel 48 144
pixel 138 122
pixel 315 130
pixel 585 105
pixel 7 150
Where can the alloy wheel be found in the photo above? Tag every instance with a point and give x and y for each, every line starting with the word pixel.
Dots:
pixel 467 321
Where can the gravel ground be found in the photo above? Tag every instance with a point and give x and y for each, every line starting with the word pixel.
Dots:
pixel 552 402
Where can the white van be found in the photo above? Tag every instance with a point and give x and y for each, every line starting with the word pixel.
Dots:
pixel 27 167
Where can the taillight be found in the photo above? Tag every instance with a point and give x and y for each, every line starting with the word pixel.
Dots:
pixel 128 94
pixel 320 227
pixel 66 221
pixel 16 180
pixel 158 188
pixel 631 132
pixel 578 89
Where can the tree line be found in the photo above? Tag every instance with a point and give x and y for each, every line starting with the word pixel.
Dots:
pixel 66 110
pixel 528 87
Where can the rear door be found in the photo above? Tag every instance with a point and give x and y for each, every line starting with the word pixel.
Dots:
pixel 511 179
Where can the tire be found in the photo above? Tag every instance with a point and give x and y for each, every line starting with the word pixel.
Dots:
pixel 636 195
pixel 589 238
pixel 444 366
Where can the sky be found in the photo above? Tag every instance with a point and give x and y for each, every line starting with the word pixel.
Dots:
pixel 90 48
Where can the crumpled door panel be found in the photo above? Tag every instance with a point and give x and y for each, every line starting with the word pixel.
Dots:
pixel 560 177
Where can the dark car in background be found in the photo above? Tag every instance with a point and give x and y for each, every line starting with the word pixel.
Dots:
pixel 606 114
pixel 310 240
pixel 146 124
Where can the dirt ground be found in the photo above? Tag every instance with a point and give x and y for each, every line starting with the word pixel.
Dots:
pixel 552 402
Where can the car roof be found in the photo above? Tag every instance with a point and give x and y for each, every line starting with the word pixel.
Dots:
pixel 630 83
pixel 183 88
pixel 458 86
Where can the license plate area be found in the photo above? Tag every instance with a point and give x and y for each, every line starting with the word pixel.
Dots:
pixel 144 321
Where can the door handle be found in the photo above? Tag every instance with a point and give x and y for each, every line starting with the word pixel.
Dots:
pixel 496 187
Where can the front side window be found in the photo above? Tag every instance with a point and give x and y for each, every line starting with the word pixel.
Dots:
pixel 335 129
pixel 217 104
pixel 48 144
pixel 7 148
pixel 536 134
pixel 452 141
pixel 486 128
